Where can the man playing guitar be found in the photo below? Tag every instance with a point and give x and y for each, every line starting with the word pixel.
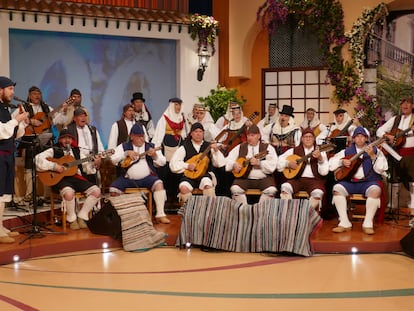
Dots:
pixel 260 175
pixel 399 134
pixel 193 159
pixel 310 176
pixel 366 180
pixel 69 185
pixel 39 125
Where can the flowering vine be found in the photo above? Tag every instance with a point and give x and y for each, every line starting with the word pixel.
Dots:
pixel 357 36
pixel 204 28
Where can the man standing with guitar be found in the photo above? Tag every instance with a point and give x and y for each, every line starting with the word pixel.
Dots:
pixel 69 185
pixel 305 168
pixel 10 128
pixel 261 160
pixel 399 135
pixel 193 160
pixel 364 178
pixel 39 125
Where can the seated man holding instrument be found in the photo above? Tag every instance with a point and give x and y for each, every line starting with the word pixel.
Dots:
pixel 67 185
pixel 193 160
pixel 138 160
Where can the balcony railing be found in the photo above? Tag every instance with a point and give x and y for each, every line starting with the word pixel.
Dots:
pixel 383 52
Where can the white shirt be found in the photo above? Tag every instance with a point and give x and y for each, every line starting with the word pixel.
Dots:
pixel 140 169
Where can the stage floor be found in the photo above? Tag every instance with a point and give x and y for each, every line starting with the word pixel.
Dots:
pixel 385 240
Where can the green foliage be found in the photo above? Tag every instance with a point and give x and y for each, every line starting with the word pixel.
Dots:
pixel 219 99
pixel 391 89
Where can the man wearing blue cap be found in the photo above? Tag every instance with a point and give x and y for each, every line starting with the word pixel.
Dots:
pixel 139 160
pixel 9 130
pixel 364 177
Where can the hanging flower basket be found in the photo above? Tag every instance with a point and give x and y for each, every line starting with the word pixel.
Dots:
pixel 204 29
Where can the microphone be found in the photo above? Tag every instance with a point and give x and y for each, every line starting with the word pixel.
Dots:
pixel 20 100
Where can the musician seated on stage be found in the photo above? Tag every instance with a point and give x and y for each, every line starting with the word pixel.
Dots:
pixel 201 114
pixel 271 116
pixel 284 133
pixel 39 125
pixel 312 121
pixel 359 168
pixel 343 126
pixel 399 134
pixel 195 159
pixel 307 175
pixel 253 163
pixel 139 160
pixel 67 186
pixel 227 127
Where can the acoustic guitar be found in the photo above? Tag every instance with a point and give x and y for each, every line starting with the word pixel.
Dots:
pixel 290 173
pixel 246 166
pixel 399 137
pixel 337 133
pixel 127 162
pixel 45 119
pixel 232 141
pixel 201 161
pixel 70 164
pixel 343 172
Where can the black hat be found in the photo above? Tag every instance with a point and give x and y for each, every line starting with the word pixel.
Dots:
pixel 79 111
pixel 338 111
pixel 34 89
pixel 64 133
pixel 136 96
pixel 196 125
pixel 175 100
pixel 287 110
pixel 6 82
pixel 75 92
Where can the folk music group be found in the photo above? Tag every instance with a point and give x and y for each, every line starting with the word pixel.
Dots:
pixel 186 152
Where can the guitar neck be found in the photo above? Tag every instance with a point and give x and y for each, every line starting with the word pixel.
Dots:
pixel 375 143
pixel 345 129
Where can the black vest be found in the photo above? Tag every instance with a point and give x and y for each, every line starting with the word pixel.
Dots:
pixel 74 132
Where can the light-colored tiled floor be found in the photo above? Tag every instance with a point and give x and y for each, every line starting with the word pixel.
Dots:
pixel 173 279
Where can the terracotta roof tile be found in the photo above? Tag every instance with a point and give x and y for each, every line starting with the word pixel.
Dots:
pixel 101 11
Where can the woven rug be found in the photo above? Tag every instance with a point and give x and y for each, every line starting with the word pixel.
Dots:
pixel 138 232
pixel 276 226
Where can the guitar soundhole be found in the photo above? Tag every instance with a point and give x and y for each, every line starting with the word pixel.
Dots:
pixel 65 165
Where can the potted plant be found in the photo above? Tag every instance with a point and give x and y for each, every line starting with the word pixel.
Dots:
pixel 204 29
pixel 219 99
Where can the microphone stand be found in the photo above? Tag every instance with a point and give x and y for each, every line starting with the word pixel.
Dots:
pixel 35 230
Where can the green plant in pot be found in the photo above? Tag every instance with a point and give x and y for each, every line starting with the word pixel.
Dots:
pixel 219 99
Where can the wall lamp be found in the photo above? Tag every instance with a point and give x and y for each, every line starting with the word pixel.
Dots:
pixel 203 57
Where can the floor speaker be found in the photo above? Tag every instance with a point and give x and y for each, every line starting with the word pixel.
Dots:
pixel 407 243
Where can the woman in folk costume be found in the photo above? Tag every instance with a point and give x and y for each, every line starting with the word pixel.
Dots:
pixel 170 134
pixel 170 130
pixel 271 116
pixel 284 134
pixel 201 114
pixel 230 124
pixel 342 126
pixel 312 121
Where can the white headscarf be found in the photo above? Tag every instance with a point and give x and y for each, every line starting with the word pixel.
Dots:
pixel 338 126
pixel 172 115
